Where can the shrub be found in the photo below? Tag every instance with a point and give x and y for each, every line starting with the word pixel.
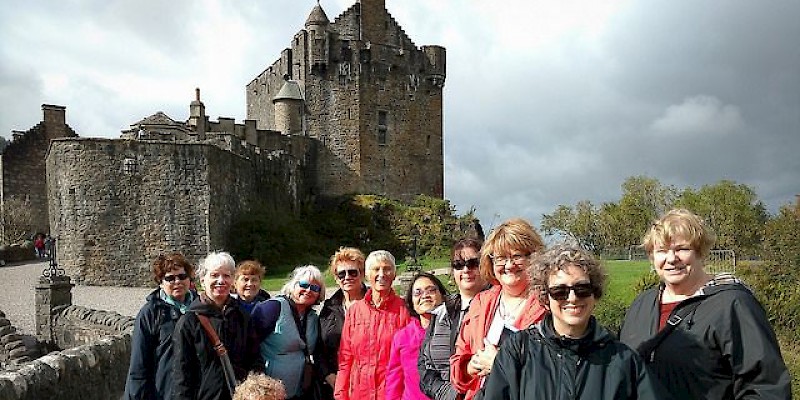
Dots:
pixel 368 222
pixel 610 312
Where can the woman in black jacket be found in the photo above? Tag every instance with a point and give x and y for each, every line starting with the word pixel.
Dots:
pixel 199 372
pixel 150 373
pixel 568 355
pixel 703 336
pixel 347 267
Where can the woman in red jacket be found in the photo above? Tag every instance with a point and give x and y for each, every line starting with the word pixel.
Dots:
pixel 507 307
pixel 369 326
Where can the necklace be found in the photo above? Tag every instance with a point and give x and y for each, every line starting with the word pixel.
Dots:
pixel 509 314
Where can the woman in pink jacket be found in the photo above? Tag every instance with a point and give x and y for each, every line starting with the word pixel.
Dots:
pixel 402 377
pixel 369 326
pixel 510 305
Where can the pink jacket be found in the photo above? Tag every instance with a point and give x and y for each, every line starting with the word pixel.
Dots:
pixel 474 328
pixel 365 346
pixel 402 376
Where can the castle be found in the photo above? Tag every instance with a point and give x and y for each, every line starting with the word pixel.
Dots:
pixel 352 106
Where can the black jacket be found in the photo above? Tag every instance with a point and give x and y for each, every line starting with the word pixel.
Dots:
pixel 725 349
pixel 433 364
pixel 197 369
pixel 150 372
pixel 331 321
pixel 535 363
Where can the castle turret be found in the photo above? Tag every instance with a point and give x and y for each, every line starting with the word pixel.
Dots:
pixel 288 108
pixel 317 28
pixel 197 115
pixel 437 67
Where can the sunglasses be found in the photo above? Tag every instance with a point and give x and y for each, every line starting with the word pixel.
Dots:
pixel 561 292
pixel 427 290
pixel 347 272
pixel 180 277
pixel 472 263
pixel 310 286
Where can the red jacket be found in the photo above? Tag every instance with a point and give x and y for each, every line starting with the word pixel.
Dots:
pixel 366 345
pixel 475 327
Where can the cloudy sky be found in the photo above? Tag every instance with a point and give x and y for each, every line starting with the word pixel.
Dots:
pixel 546 102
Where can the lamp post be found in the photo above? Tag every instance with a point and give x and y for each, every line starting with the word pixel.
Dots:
pixel 52 269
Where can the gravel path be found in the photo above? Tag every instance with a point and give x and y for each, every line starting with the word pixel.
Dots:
pixel 17 295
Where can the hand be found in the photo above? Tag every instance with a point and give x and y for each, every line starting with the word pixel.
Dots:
pixel 474 366
pixel 331 380
pixel 485 359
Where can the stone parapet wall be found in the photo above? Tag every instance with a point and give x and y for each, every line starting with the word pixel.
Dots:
pixel 75 326
pixel 93 366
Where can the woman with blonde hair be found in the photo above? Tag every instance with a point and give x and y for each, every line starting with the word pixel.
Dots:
pixel 347 268
pixel 703 336
pixel 507 307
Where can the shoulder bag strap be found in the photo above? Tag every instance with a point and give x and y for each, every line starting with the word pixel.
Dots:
pixel 647 349
pixel 212 335
pixel 221 351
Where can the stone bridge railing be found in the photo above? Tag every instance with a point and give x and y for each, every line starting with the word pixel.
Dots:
pixel 90 354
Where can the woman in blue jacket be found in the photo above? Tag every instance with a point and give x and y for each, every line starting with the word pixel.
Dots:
pixel 288 328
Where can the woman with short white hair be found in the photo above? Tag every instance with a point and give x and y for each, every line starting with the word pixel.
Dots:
pixel 288 331
pixel 199 372
pixel 368 330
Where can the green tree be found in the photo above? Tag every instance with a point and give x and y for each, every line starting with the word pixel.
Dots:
pixel 733 211
pixel 580 224
pixel 643 200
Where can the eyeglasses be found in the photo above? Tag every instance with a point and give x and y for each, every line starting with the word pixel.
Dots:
pixel 515 259
pixel 561 292
pixel 472 263
pixel 180 277
pixel 347 272
pixel 423 292
pixel 310 286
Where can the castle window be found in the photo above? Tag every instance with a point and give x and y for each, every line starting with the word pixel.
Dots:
pixel 382 127
pixel 129 165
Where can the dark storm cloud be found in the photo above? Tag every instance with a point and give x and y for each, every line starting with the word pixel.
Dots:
pixel 689 93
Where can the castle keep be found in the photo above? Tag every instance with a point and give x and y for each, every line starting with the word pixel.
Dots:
pixel 352 106
pixel 367 95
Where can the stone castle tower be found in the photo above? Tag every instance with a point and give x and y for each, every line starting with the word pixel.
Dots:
pixel 353 106
pixel 369 97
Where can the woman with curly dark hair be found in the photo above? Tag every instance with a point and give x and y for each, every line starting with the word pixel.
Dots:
pixel 568 354
pixel 150 373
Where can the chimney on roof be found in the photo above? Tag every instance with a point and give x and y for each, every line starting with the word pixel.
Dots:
pixel 53 114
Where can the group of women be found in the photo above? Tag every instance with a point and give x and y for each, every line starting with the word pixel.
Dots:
pixel 520 326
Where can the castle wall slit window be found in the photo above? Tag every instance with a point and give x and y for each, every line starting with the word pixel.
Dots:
pixel 382 127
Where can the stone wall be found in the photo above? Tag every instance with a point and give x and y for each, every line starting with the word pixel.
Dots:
pixel 117 204
pixel 22 164
pixel 95 368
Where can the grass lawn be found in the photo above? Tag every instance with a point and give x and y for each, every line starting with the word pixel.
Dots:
pixel 623 276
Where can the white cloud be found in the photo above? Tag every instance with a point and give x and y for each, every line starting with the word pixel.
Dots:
pixel 700 115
